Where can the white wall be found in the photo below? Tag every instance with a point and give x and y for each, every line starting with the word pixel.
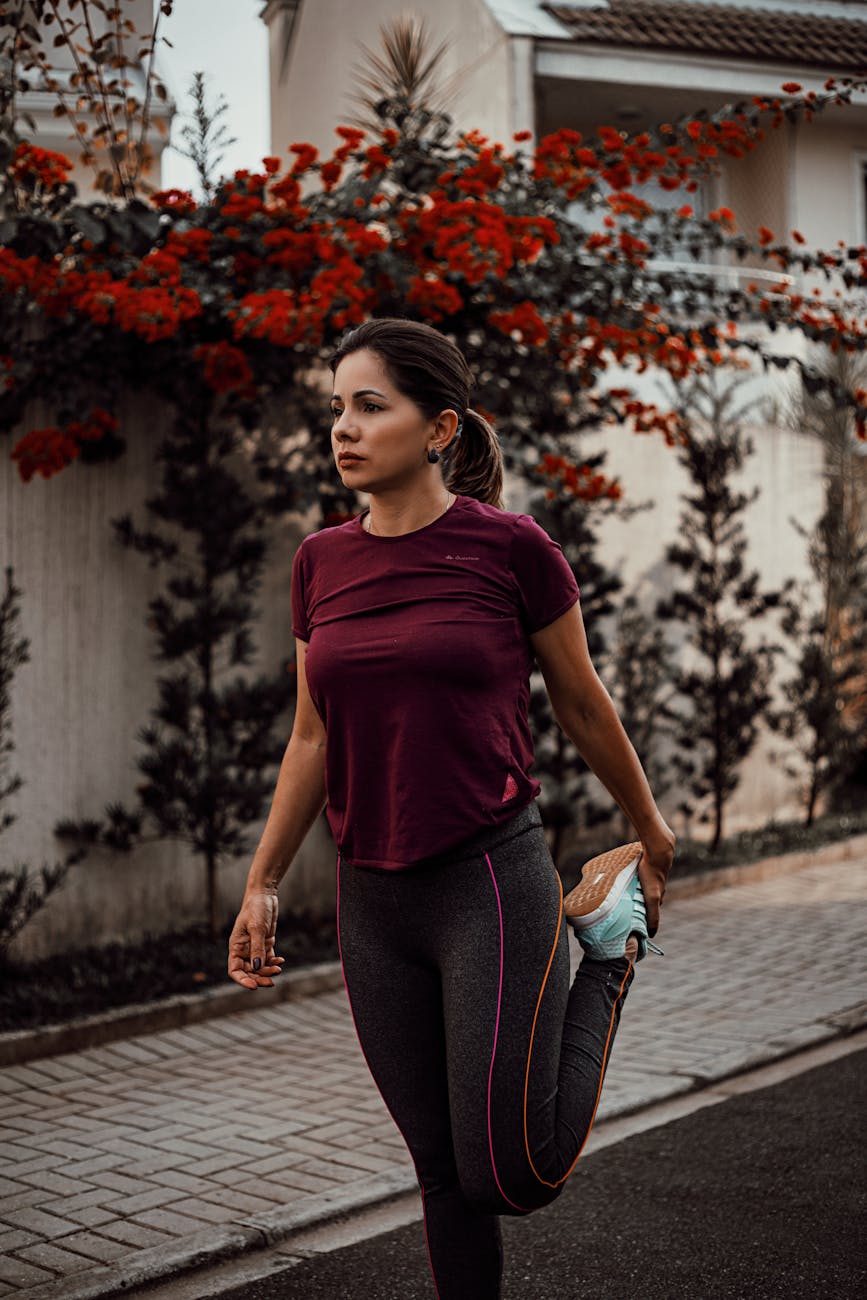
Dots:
pixel 89 686
pixel 316 94
pixel 825 196
pixel 787 467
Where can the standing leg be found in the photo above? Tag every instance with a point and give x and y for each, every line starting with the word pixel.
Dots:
pixel 395 995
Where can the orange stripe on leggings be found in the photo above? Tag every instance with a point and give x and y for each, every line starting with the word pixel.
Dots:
pixel 530 1053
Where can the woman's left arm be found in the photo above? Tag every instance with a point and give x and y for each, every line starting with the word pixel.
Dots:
pixel 584 710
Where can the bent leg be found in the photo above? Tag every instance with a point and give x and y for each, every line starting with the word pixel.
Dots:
pixel 395 995
pixel 527 1054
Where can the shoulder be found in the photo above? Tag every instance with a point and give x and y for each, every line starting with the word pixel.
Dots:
pixel 509 523
pixel 323 540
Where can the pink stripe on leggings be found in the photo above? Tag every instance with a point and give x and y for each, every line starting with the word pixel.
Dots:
pixel 514 1206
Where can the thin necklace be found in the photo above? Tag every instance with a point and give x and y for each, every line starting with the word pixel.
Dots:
pixel 369 529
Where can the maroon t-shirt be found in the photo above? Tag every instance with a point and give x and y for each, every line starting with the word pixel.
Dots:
pixel 418 663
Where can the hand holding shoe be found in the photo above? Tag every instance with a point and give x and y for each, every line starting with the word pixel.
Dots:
pixel 653 870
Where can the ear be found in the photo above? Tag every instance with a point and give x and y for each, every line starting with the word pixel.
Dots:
pixel 447 425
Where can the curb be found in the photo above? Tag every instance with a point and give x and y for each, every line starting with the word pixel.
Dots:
pixel 223 1242
pixel 21 1045
pixel 766 868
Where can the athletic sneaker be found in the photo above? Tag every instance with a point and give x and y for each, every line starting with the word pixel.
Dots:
pixel 607 905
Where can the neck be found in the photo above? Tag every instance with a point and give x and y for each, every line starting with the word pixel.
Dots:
pixel 396 520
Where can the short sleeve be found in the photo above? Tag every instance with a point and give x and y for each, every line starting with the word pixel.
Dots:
pixel 300 626
pixel 546 584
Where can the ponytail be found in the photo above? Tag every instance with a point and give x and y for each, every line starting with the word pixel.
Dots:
pixel 473 461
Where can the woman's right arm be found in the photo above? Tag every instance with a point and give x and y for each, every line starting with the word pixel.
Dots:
pixel 298 800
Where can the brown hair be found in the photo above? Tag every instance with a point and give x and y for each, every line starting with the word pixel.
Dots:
pixel 431 371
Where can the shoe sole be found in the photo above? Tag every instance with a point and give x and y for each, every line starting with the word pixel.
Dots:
pixel 602 884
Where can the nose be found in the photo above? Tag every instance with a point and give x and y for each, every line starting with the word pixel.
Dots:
pixel 339 428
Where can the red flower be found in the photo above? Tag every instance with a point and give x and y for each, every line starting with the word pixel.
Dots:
pixel 242 206
pixel 434 298
pixel 179 201
pixel 196 243
pixel 45 167
pixel 611 139
pixel 377 161
pixel 307 155
pixel 226 367
pixel 330 173
pixel 722 214
pixel 765 236
pixel 351 134
pixel 287 190
pixel 523 319
pixel 791 87
pixel 99 423
pixel 47 451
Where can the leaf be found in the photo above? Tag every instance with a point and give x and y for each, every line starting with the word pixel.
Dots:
pixel 90 226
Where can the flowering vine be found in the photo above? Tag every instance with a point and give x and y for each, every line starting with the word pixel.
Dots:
pixel 239 295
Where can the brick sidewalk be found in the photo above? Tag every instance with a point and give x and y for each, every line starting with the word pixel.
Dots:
pixel 132 1160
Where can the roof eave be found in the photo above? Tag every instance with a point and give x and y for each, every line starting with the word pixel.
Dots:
pixel 591 61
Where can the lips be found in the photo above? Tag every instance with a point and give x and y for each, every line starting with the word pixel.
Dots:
pixel 348 460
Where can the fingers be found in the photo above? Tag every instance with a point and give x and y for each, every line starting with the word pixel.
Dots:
pixel 259 922
pixel 252 961
pixel 653 870
pixel 654 903
pixel 653 889
pixel 241 971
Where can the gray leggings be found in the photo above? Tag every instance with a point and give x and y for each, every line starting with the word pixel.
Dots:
pixel 457 973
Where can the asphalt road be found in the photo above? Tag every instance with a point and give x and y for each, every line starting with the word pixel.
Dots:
pixel 759 1197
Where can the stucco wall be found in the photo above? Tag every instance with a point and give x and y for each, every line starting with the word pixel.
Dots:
pixel 89 686
pixel 824 191
pixel 787 467
pixel 315 95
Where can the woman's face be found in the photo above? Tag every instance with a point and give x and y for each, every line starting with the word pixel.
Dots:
pixel 377 423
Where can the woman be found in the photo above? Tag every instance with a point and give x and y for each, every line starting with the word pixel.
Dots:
pixel 416 625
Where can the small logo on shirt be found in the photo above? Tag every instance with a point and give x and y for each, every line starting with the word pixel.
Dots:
pixel 463 557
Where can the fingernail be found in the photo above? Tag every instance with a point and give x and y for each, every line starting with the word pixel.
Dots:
pixel 257 962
